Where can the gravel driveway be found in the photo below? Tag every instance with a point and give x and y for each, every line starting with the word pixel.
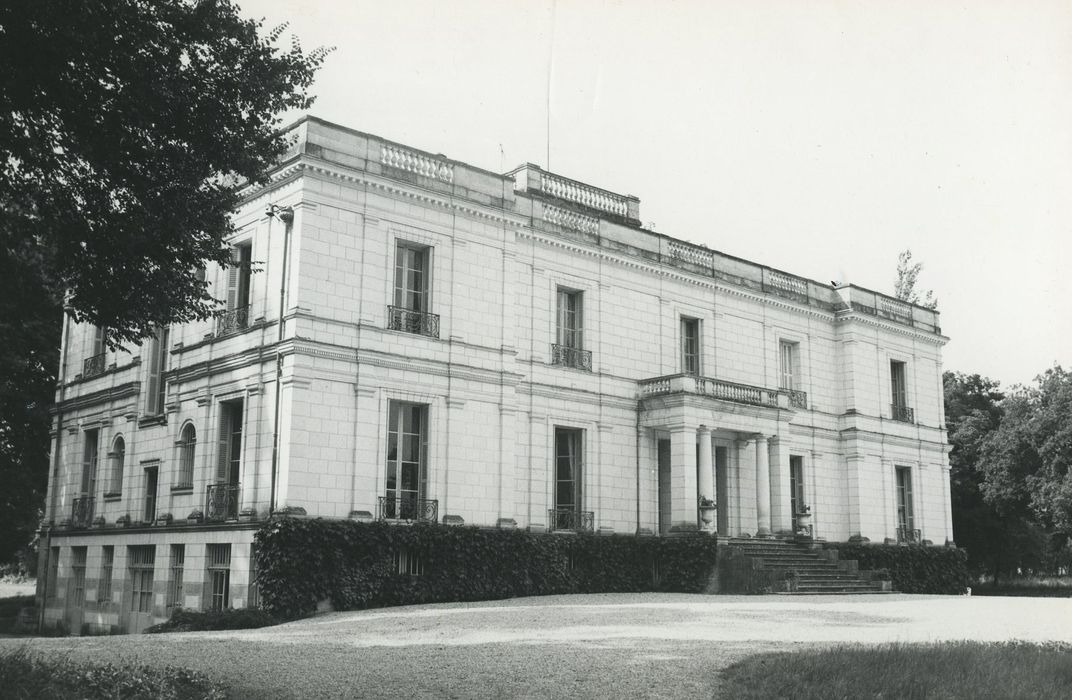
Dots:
pixel 614 645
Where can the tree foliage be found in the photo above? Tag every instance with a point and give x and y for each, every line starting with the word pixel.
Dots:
pixel 907 280
pixel 1026 460
pixel 1009 470
pixel 124 129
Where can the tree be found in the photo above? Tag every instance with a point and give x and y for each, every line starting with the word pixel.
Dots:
pixel 907 278
pixel 126 128
pixel 1027 459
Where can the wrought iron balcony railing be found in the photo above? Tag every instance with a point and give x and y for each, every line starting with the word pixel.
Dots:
pixel 908 535
pixel 82 512
pixel 571 519
pixel 902 413
pixel 571 357
pixel 797 399
pixel 233 321
pixel 222 502
pixel 409 507
pixel 409 321
pixel 92 366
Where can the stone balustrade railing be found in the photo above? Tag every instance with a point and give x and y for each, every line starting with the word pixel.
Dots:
pixel 414 162
pixel 894 307
pixel 692 254
pixel 570 219
pixel 715 388
pixel 781 282
pixel 585 195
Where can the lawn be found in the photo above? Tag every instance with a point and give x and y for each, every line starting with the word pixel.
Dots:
pixel 968 670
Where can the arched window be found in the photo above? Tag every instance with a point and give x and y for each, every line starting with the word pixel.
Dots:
pixel 187 444
pixel 118 456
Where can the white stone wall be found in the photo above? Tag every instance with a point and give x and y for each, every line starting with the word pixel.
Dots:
pixel 494 399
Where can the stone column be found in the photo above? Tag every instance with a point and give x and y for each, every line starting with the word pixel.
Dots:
pixel 706 481
pixel 763 503
pixel 683 506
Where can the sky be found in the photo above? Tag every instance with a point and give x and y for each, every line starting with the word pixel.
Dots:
pixel 821 138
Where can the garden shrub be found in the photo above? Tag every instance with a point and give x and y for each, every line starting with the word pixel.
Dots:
pixel 360 565
pixel 229 619
pixel 26 675
pixel 912 568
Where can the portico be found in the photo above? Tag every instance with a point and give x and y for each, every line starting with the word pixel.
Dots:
pixel 721 444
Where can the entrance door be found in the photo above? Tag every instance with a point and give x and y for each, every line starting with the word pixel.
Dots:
pixel 664 487
pixel 722 496
pixel 796 487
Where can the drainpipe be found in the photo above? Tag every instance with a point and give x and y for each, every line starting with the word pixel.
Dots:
pixel 638 468
pixel 286 215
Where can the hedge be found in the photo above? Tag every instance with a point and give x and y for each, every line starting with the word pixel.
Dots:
pixel 32 675
pixel 355 565
pixel 230 619
pixel 913 568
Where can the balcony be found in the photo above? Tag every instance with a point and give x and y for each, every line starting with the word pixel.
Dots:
pixel 92 366
pixel 797 399
pixel 717 389
pixel 409 508
pixel 566 356
pixel 233 321
pixel 570 520
pixel 906 535
pixel 904 414
pixel 82 511
pixel 409 321
pixel 222 503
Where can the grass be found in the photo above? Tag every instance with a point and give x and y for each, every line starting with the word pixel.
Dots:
pixel 969 670
pixel 27 675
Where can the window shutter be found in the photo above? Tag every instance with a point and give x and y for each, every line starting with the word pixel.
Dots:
pixel 153 379
pixel 908 499
pixel 578 335
pixel 223 457
pixel 563 303
pixel 232 279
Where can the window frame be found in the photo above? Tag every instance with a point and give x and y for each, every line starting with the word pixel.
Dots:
pixel 789 365
pixel 90 461
pixel 141 563
pixel 575 456
pixel 155 384
pixel 104 588
pixel 569 322
pixel 217 576
pixel 405 297
pixel 117 456
pixel 904 488
pixel 187 445
pixel 176 571
pixel 695 324
pixel 394 467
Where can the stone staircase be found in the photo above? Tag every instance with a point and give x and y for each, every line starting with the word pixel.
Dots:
pixel 818 570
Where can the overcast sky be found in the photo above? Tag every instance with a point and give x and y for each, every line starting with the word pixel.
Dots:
pixel 821 138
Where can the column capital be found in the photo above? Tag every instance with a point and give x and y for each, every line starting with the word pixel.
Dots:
pixel 704 429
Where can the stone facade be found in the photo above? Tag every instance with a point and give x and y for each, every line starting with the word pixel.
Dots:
pixel 416 338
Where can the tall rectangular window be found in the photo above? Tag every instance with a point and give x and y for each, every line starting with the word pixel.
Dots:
pixel 905 519
pixel 254 593
pixel 53 572
pixel 411 277
pixel 407 454
pixel 98 345
pixel 899 407
pixel 898 384
pixel 90 456
pixel 178 562
pixel 104 590
pixel 569 450
pixel 229 447
pixel 690 345
pixel 570 318
pixel 94 363
pixel 141 561
pixel 218 578
pixel 789 365
pixel 151 483
pixel 78 575
pixel 155 384
pixel 238 277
